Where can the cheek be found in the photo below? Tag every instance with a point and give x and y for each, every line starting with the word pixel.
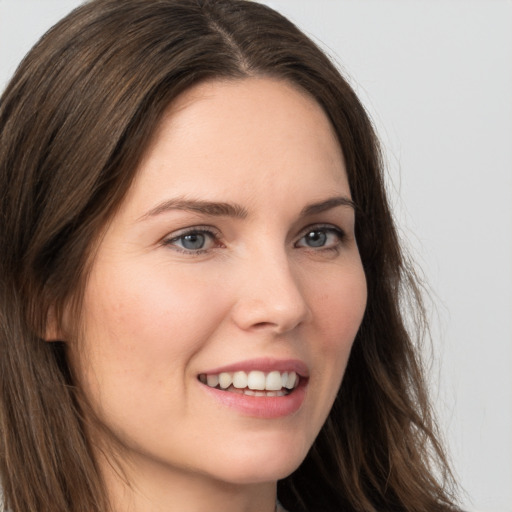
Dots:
pixel 339 305
pixel 156 304
pixel 143 326
pixel 338 302
pixel 338 311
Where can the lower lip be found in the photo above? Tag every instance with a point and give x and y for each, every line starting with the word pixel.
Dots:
pixel 267 407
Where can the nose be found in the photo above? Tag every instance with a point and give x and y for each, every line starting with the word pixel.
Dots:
pixel 271 296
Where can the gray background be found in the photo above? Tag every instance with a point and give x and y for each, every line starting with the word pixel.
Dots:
pixel 436 76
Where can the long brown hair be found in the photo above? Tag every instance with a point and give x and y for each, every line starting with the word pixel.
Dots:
pixel 74 123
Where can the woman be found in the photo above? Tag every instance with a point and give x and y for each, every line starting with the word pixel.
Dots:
pixel 201 280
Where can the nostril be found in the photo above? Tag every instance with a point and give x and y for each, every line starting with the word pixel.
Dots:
pixel 262 325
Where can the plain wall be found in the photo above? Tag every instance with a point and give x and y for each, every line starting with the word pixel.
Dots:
pixel 437 79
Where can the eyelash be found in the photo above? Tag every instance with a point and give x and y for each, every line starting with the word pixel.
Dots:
pixel 215 237
pixel 328 229
pixel 197 230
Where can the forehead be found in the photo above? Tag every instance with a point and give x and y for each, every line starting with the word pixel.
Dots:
pixel 222 137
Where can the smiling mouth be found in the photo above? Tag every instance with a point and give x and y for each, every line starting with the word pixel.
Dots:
pixel 253 383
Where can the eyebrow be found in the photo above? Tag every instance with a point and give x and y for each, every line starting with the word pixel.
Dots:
pixel 211 208
pixel 222 209
pixel 328 204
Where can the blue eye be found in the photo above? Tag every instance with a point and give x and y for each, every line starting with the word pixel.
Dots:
pixel 316 238
pixel 193 241
pixel 321 238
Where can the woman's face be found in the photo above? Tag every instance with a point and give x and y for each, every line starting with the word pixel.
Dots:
pixel 232 257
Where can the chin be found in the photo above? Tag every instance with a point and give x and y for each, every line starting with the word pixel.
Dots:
pixel 251 474
pixel 264 465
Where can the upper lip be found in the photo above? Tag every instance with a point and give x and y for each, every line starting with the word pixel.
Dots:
pixel 263 364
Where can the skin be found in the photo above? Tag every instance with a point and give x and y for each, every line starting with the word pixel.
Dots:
pixel 157 315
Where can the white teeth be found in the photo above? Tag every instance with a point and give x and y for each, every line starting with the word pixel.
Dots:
pixel 290 382
pixel 256 380
pixel 273 382
pixel 212 380
pixel 240 380
pixel 225 380
pixel 250 382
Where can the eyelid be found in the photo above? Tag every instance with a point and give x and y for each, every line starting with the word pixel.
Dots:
pixel 170 239
pixel 332 228
pixel 320 226
pixel 193 229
